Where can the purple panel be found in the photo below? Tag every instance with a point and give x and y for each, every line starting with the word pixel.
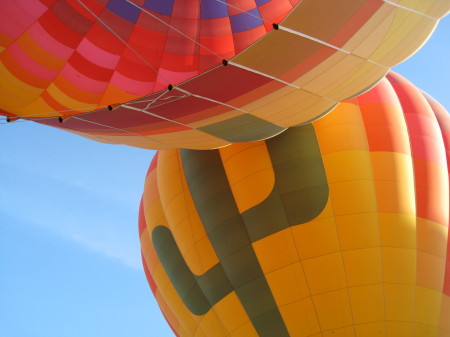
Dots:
pixel 245 21
pixel 124 9
pixel 212 9
pixel 261 2
pixel 163 7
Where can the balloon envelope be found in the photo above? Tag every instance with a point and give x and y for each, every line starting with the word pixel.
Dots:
pixel 235 76
pixel 336 228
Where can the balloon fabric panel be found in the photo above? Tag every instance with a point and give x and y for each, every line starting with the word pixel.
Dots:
pixel 366 253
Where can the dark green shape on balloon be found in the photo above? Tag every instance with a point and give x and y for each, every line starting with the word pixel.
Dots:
pixel 300 193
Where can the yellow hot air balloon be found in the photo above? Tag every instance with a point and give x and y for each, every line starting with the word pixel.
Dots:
pixel 335 228
pixel 198 74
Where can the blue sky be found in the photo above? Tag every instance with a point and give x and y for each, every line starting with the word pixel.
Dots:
pixel 69 249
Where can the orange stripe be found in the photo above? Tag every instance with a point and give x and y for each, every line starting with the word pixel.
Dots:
pixel 54 104
pixel 21 73
pixel 75 92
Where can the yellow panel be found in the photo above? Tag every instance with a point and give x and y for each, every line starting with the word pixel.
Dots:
pixel 401 40
pixel 114 95
pixel 249 172
pixel 230 312
pixel 368 37
pixel 320 68
pixel 315 238
pixel 181 331
pixel 361 80
pixel 168 313
pixel 188 320
pixel 424 330
pixel 216 118
pixel 253 189
pixel 348 165
pixel 347 331
pixel 12 84
pixel 288 284
pixel 342 137
pixel 428 306
pixel 183 235
pixel 363 266
pixel 393 166
pixel 367 303
pixel 191 139
pixel 198 333
pixel 358 230
pixel 435 8
pixel 376 35
pixel 432 237
pixel 352 197
pixel 282 104
pixel 430 271
pixel 396 197
pixel 400 302
pixel 333 309
pixel 311 109
pixel 399 265
pixel 148 251
pixel 376 329
pixel 151 194
pixel 194 260
pixel 207 254
pixel 68 101
pixel 328 80
pixel 167 296
pixel 400 329
pixel 444 321
pixel 327 212
pixel 37 105
pixel 325 273
pixel 169 180
pixel 212 325
pixel 246 330
pixel 163 282
pixel 397 230
pixel 342 130
pixel 276 251
pixel 300 318
pixel 154 215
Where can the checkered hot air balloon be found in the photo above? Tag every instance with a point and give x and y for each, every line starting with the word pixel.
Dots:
pixel 197 74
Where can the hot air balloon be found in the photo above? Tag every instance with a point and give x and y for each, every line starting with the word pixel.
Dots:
pixel 335 228
pixel 198 74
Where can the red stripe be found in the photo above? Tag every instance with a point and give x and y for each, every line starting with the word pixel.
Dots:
pixel 90 69
pixel 103 38
pixel 142 223
pixel 59 31
pixel 150 279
